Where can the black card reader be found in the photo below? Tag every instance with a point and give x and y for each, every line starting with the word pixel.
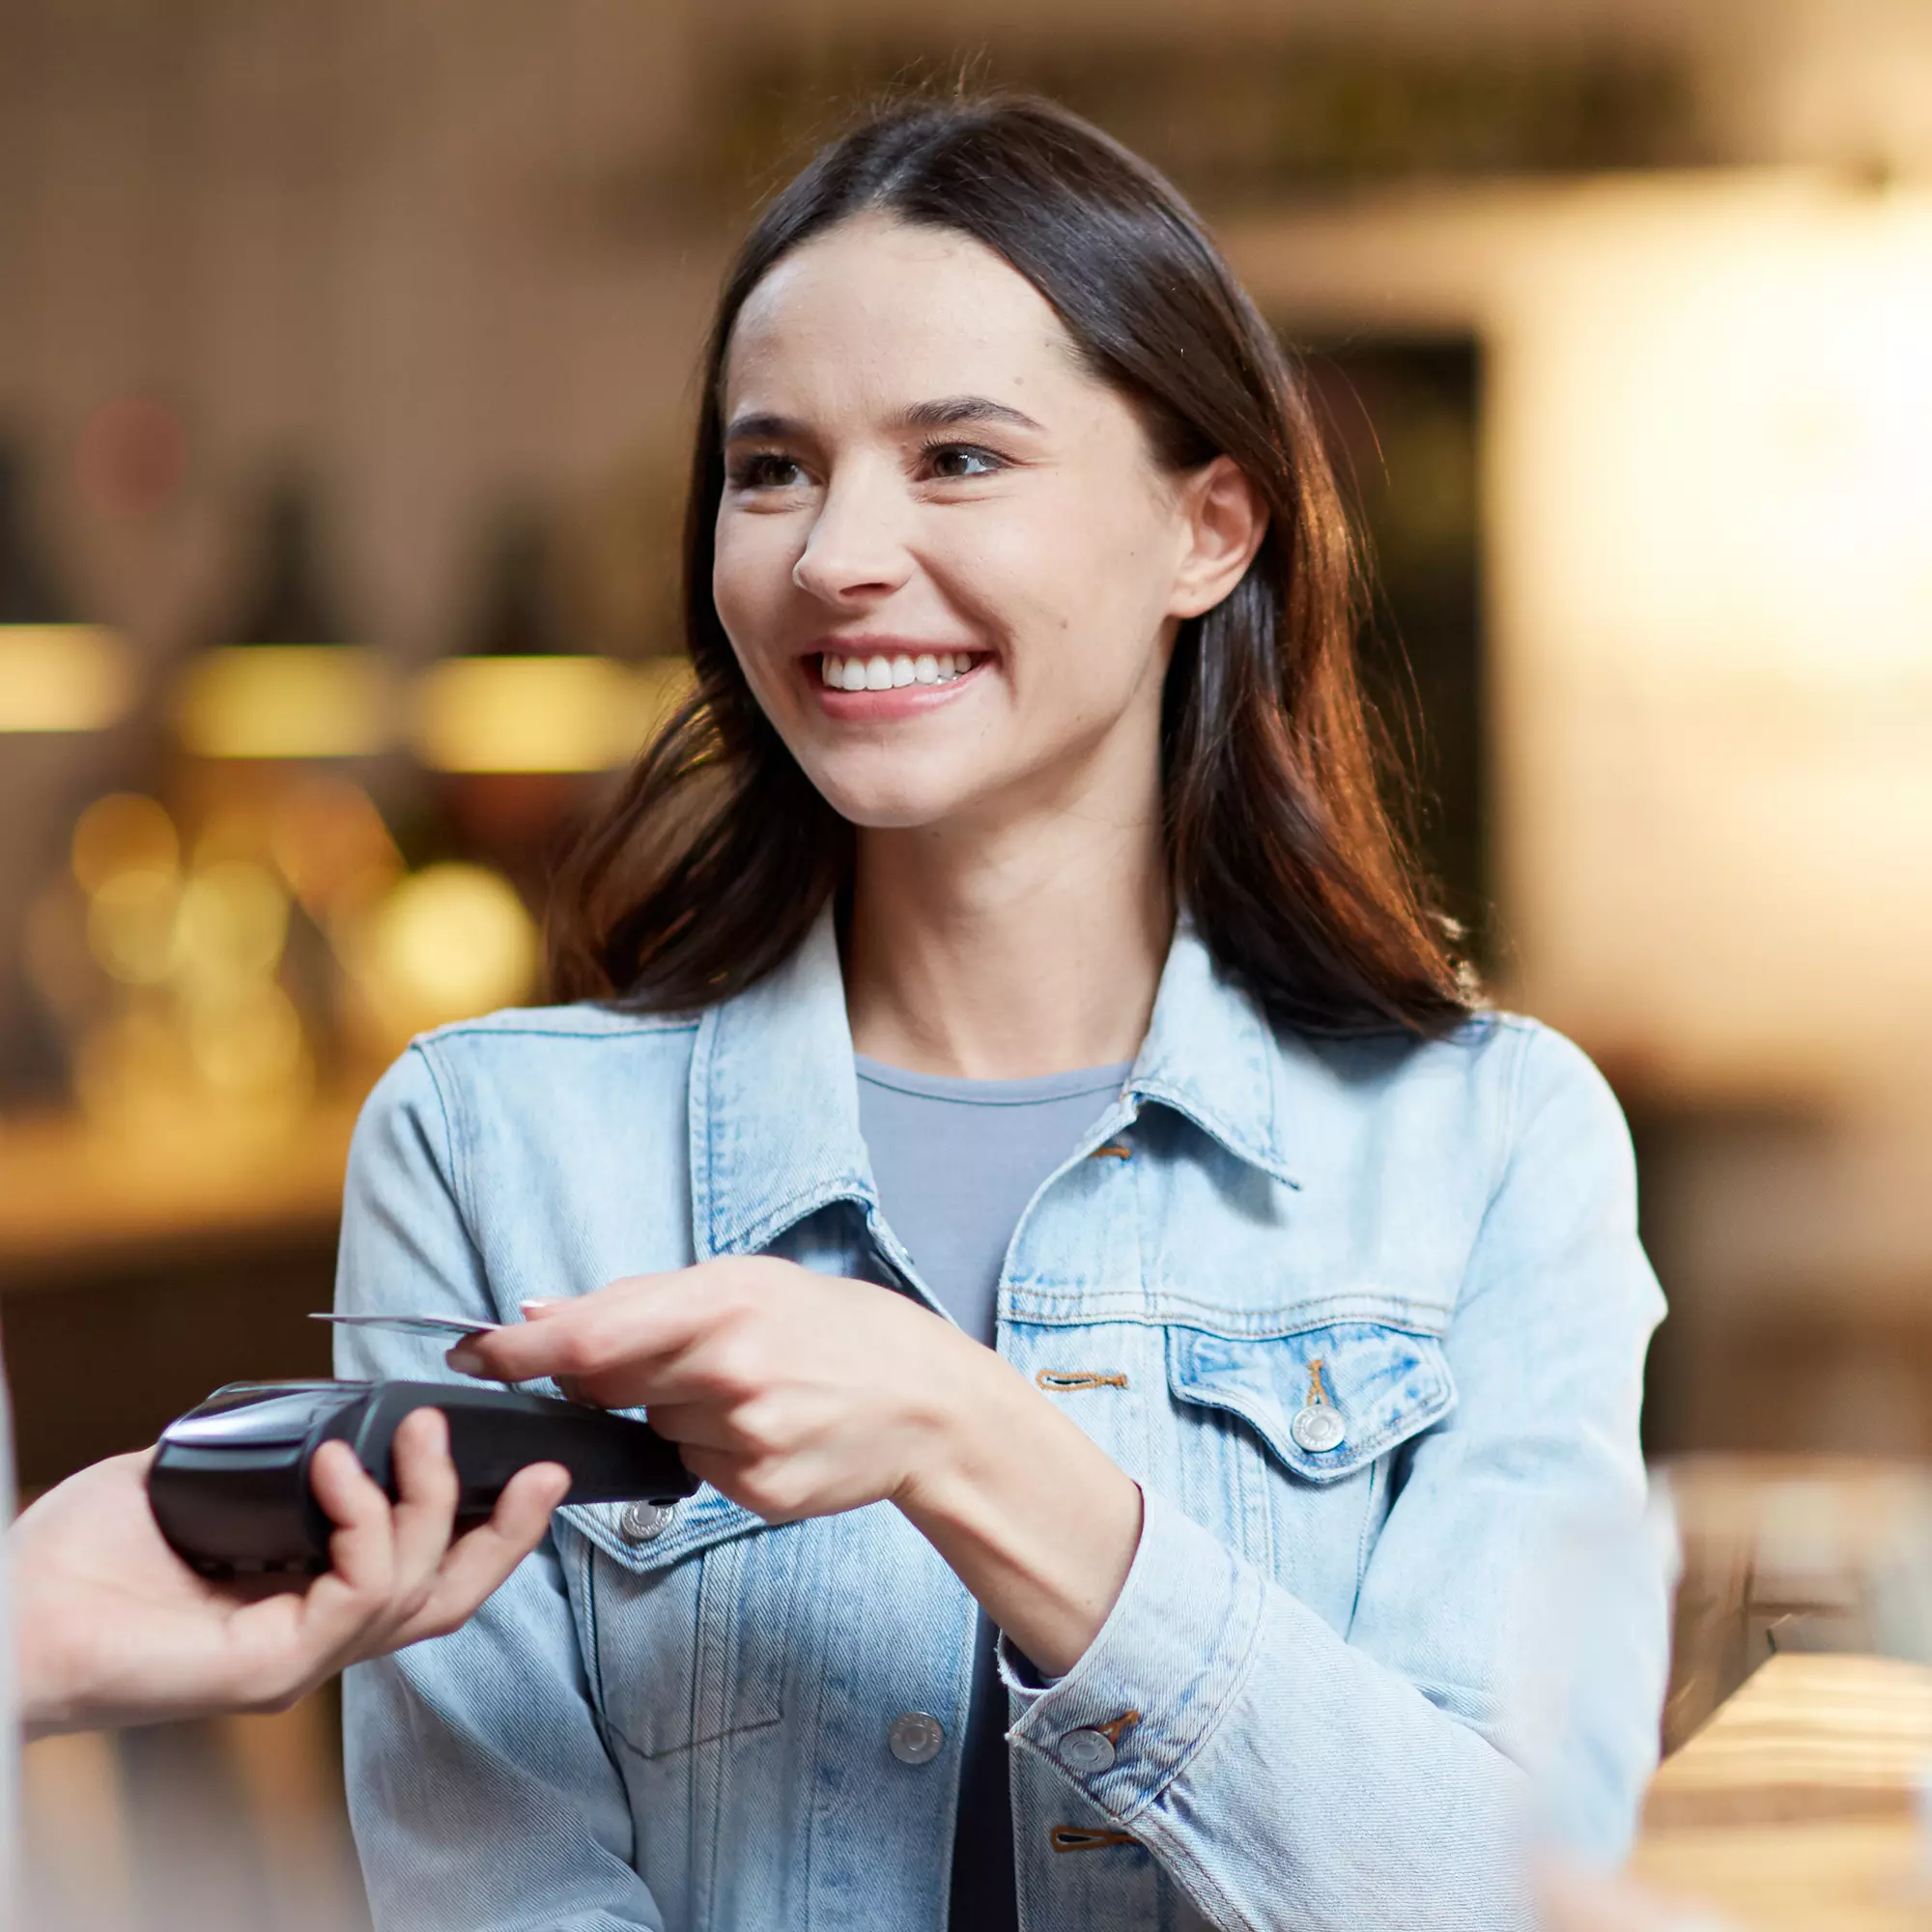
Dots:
pixel 229 1484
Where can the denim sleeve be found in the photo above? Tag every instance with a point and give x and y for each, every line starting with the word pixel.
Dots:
pixel 481 1793
pixel 1286 1775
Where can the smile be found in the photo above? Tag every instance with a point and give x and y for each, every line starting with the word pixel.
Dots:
pixel 893 671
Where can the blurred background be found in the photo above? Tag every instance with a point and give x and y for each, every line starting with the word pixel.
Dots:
pixel 346 360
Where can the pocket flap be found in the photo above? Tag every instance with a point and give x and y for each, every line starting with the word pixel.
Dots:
pixel 700 1520
pixel 1379 1385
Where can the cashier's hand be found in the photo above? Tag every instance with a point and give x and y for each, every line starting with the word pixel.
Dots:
pixel 115 1629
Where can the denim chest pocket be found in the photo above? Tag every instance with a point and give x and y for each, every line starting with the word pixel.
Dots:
pixel 1285 1444
pixel 1324 1402
pixel 686 1621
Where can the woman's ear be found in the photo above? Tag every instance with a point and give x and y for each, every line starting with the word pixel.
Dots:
pixel 1226 522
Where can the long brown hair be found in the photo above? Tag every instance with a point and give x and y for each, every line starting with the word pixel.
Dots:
pixel 717 854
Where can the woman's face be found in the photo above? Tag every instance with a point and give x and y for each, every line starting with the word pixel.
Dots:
pixel 946 556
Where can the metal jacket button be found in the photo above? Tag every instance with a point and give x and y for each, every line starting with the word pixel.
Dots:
pixel 915 1737
pixel 643 1523
pixel 1087 1751
pixel 1317 1427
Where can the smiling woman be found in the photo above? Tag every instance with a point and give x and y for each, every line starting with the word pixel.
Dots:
pixel 1003 341
pixel 1139 1332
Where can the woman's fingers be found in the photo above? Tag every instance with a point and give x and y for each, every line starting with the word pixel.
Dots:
pixel 607 1342
pixel 478 1563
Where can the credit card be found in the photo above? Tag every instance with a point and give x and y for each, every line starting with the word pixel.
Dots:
pixel 437 1327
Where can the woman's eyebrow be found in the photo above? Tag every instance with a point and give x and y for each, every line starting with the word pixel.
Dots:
pixel 947 412
pixel 944 412
pixel 763 427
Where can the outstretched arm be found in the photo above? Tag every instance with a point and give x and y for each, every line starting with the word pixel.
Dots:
pixel 115 1629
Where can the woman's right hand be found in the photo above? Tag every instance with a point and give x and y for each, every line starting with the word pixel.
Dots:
pixel 115 1629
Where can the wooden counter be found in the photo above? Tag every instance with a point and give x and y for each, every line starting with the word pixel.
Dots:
pixel 138 1274
pixel 1796 1808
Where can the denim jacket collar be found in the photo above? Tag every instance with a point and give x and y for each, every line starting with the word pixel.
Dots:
pixel 1210 1054
pixel 775 1099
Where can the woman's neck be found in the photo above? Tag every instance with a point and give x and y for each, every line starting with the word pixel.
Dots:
pixel 1033 950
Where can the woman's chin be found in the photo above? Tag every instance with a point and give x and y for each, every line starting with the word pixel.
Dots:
pixel 915 804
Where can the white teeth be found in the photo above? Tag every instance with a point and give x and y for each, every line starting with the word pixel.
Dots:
pixel 892 673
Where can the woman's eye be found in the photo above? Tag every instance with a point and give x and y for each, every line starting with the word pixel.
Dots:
pixel 766 469
pixel 953 460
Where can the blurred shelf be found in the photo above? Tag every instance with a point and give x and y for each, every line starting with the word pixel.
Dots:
pixel 75 1199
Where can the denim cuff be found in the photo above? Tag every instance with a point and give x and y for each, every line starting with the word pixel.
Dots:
pixel 1158 1678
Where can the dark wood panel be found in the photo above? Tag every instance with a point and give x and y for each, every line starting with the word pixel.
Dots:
pixel 101 1363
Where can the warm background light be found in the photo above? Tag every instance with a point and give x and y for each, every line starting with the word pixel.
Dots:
pixel 286 702
pixel 63 677
pixel 1707 469
pixel 447 942
pixel 123 832
pixel 540 714
pixel 1712 554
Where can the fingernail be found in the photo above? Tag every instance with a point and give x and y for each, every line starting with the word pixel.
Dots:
pixel 465 1359
pixel 528 1306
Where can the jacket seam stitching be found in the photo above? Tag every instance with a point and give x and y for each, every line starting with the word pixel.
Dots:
pixel 1368 1448
pixel 687 1745
pixel 1178 1852
pixel 1371 1533
pixel 1237 1684
pixel 455 1145
pixel 700 1135
pixel 1149 1805
pixel 1512 1121
pixel 1506 1139
pixel 1267 1325
pixel 527 1032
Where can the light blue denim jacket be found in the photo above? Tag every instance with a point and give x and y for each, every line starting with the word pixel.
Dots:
pixel 1308 1677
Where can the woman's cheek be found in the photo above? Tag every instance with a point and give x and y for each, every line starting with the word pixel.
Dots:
pixel 1009 580
pixel 751 584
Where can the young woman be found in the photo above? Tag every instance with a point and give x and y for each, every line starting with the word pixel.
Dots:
pixel 1028 1142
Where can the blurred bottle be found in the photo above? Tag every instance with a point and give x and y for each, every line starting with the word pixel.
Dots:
pixel 56 672
pixel 28 591
pixel 57 677
pixel 283 675
pixel 512 723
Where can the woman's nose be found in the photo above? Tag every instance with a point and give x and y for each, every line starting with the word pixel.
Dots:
pixel 856 549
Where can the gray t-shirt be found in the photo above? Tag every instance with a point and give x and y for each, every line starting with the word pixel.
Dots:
pixel 955 1162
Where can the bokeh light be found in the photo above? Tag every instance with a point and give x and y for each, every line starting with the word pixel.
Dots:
pixel 124 831
pixel 447 942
